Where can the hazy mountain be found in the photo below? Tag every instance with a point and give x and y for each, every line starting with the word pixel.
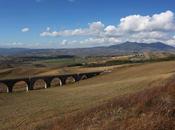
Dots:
pixel 12 51
pixel 134 46
pixel 127 47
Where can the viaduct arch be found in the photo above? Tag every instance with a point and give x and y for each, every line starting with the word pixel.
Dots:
pixel 30 81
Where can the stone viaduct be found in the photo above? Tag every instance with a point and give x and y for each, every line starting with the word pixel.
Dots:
pixel 30 81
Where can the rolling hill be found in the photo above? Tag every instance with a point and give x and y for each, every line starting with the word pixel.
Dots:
pixel 57 106
pixel 123 48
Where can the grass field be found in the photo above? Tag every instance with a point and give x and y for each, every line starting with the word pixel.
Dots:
pixel 61 62
pixel 39 109
pixel 149 109
pixel 29 71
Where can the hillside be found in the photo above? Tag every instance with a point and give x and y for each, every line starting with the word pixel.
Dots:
pixel 151 109
pixel 42 109
pixel 123 48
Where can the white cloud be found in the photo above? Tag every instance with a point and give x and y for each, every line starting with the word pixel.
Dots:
pixel 96 26
pixel 158 22
pixel 111 29
pixel 136 28
pixel 17 43
pixel 25 29
pixel 90 42
pixel 64 42
pixel 93 29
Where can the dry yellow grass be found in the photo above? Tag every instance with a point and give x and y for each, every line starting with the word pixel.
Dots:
pixel 25 71
pixel 28 110
pixel 149 109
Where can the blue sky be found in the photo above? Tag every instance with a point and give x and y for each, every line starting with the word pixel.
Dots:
pixel 84 23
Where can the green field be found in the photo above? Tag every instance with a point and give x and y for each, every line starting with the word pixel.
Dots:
pixel 39 109
pixel 62 61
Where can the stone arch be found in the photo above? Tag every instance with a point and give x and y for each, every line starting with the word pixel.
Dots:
pixel 70 80
pixel 3 88
pixel 56 82
pixel 39 84
pixel 20 86
pixel 84 77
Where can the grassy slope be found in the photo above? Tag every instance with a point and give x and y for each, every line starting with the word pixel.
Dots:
pixel 150 109
pixel 29 71
pixel 60 62
pixel 27 110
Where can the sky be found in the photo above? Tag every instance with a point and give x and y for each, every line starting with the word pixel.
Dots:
pixel 85 23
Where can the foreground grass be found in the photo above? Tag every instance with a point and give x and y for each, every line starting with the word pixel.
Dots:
pixel 151 109
pixel 35 109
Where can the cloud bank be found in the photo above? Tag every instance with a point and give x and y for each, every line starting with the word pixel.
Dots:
pixel 136 28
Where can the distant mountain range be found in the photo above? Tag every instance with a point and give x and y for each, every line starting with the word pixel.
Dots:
pixel 124 48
